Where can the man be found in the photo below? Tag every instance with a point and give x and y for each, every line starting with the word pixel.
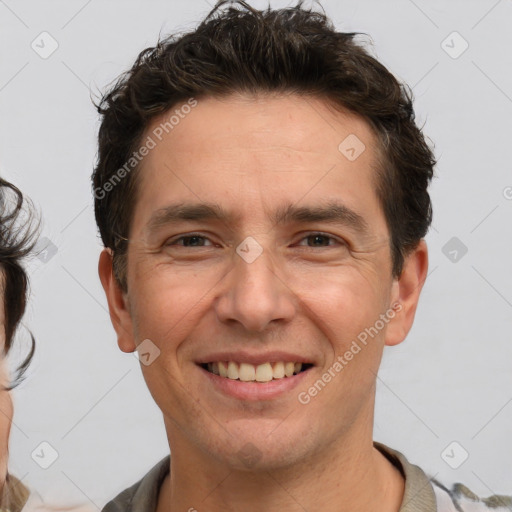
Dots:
pixel 261 192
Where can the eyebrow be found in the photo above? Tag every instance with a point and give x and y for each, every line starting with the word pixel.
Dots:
pixel 333 212
pixel 186 211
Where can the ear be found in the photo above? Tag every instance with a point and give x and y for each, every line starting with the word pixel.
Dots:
pixel 406 293
pixel 117 303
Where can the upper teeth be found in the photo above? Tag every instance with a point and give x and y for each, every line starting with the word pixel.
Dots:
pixel 248 372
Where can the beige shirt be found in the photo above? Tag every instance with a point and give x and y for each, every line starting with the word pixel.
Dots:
pixel 13 496
pixel 422 494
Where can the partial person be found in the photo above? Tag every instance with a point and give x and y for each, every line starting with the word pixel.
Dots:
pixel 17 238
pixel 19 227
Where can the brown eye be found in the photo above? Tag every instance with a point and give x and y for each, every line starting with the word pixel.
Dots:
pixel 193 241
pixel 190 241
pixel 319 240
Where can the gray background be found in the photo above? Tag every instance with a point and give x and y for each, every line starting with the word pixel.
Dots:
pixel 452 378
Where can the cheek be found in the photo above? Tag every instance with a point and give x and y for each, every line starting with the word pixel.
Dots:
pixel 6 409
pixel 340 299
pixel 166 302
pixel 344 307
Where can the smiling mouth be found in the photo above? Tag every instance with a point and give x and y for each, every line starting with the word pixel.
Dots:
pixel 246 372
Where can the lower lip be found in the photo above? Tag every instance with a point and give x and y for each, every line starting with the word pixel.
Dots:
pixel 254 391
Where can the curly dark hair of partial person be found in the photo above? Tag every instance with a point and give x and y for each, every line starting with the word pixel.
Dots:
pixel 17 239
pixel 238 49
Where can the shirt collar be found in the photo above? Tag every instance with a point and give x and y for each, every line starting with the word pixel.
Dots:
pixel 418 494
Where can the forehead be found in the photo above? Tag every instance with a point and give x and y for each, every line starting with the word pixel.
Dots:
pixel 297 122
pixel 243 149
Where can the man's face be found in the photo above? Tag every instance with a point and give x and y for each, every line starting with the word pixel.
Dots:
pixel 314 274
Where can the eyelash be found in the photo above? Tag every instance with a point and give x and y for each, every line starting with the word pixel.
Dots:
pixel 309 235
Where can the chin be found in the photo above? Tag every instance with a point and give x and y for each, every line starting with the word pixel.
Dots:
pixel 252 452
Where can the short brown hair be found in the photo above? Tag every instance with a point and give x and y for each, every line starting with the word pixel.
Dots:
pixel 243 50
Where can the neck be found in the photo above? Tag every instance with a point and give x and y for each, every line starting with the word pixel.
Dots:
pixel 351 476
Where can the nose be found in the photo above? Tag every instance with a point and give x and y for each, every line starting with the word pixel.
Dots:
pixel 255 295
